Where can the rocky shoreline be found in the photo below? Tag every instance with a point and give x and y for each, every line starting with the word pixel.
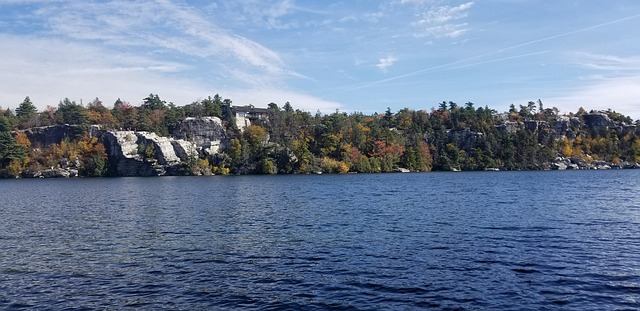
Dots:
pixel 140 153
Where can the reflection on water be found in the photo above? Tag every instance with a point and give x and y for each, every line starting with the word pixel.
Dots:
pixel 507 240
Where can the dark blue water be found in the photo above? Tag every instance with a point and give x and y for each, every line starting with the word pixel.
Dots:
pixel 447 241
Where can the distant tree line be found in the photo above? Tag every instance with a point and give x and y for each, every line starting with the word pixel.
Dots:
pixel 449 137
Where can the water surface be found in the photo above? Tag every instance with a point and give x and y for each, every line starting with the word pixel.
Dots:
pixel 446 241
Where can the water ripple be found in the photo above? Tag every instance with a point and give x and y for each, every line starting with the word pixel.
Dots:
pixel 514 241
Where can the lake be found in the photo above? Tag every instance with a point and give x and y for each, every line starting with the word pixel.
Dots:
pixel 445 241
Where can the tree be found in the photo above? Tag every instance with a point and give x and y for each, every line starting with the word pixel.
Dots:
pixel 26 109
pixel 256 136
pixel 153 102
pixel 71 113
pixel 27 114
pixel 5 124
pixel 10 150
pixel 93 157
pixel 213 106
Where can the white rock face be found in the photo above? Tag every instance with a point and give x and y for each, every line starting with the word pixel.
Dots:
pixel 126 149
pixel 125 146
pixel 206 132
pixel 163 147
pixel 184 149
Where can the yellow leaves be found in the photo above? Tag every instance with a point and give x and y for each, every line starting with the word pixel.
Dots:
pixel 90 146
pixel 221 170
pixel 23 140
pixel 342 167
pixel 64 150
pixel 330 165
pixel 255 135
pixel 567 149
pixel 14 168
pixel 93 116
pixel 202 167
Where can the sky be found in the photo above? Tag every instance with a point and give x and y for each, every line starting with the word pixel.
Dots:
pixel 352 56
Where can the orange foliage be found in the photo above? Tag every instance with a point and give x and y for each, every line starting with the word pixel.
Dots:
pixel 381 149
pixel 23 140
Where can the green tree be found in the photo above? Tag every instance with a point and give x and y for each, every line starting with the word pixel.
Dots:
pixel 26 109
pixel 10 150
pixel 153 102
pixel 27 113
pixel 69 112
pixel 5 124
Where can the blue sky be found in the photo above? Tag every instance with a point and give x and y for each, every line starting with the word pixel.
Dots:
pixel 358 55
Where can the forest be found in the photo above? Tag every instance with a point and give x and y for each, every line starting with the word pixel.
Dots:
pixel 447 137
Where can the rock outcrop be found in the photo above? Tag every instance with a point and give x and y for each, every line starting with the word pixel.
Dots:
pixel 207 133
pixel 508 127
pixel 147 154
pixel 572 163
pixel 464 139
pixel 597 122
pixel 46 136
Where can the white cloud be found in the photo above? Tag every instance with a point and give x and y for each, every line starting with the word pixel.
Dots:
pixel 386 62
pixel 416 2
pixel 620 94
pixel 441 21
pixel 613 82
pixel 158 24
pixel 443 14
pixel 50 70
pixel 124 49
pixel 262 97
pixel 274 14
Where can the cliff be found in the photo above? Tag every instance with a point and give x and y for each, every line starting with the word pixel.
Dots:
pixel 147 154
pixel 594 123
pixel 207 133
pixel 46 136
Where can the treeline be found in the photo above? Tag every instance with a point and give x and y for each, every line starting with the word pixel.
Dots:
pixel 449 137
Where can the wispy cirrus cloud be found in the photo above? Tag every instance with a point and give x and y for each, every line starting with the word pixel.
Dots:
pixel 438 20
pixel 606 62
pixel 158 24
pixel 84 49
pixel 443 21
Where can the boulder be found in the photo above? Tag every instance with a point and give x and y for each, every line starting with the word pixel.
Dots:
pixel 401 170
pixel 55 173
pixel 572 166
